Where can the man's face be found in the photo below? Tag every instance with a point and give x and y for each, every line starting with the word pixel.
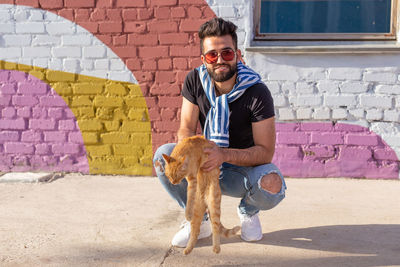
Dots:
pixel 224 67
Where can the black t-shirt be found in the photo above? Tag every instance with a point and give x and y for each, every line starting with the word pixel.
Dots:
pixel 256 104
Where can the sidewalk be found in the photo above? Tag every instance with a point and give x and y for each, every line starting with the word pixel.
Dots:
pixel 129 221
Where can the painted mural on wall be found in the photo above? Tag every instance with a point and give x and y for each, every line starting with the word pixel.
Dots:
pixel 94 86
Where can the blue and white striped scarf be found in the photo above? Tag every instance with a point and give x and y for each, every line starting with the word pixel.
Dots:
pixel 216 127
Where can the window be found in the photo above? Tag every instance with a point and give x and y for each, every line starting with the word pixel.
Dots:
pixel 325 20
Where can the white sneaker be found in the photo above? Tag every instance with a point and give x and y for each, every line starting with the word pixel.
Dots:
pixel 251 227
pixel 181 238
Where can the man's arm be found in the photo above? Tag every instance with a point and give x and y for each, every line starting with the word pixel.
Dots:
pixel 189 119
pixel 261 153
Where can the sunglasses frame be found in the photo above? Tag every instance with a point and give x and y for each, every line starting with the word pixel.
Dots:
pixel 219 55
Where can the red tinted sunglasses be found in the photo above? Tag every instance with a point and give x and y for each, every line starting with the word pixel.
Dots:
pixel 226 54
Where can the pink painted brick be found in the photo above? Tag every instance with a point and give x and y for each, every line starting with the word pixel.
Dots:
pixel 286 127
pixel 69 114
pixel 18 148
pixel 18 124
pixel 361 140
pixel 52 101
pixel 5 100
pixel 384 154
pixel 31 136
pixel 75 137
pixel 42 124
pixel 342 127
pixel 319 151
pixel 316 127
pixel 292 138
pixel 7 89
pixel 39 113
pixel 24 101
pixel 9 136
pixel 354 154
pixel 32 88
pixel 24 112
pixel 56 113
pixel 65 148
pixel 327 138
pixel 8 112
pixel 384 171
pixel 4 75
pixel 288 152
pixel 17 76
pixel 54 136
pixel 66 125
pixel 42 149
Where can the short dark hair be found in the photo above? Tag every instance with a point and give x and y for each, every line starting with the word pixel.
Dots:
pixel 217 27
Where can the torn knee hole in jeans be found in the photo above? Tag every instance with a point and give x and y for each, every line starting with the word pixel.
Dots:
pixel 159 166
pixel 275 189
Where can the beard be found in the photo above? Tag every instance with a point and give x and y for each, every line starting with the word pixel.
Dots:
pixel 222 76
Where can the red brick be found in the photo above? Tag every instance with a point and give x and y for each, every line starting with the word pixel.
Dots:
pixel 131 3
pixel 67 13
pixel 168 114
pixel 180 63
pixel 165 76
pixel 144 87
pixel 191 25
pixel 129 14
pixel 32 3
pixel 105 38
pixel 195 62
pixel 166 126
pixel 185 51
pixel 82 15
pixel 90 26
pixel 165 64
pixel 208 13
pixel 104 3
pixel 144 13
pixel 161 26
pixel 151 101
pixel 79 3
pixel 161 138
pixel 114 14
pixel 137 27
pixel 174 38
pixel 144 76
pixel 178 12
pixel 51 4
pixel 153 52
pixel 149 65
pixel 99 14
pixel 180 76
pixel 191 2
pixel 148 39
pixel 110 27
pixel 119 40
pixel 194 12
pixel 10 2
pixel 165 89
pixel 125 51
pixel 162 12
pixel 133 64
pixel 164 2
pixel 169 101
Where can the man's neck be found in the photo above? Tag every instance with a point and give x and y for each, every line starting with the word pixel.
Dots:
pixel 225 87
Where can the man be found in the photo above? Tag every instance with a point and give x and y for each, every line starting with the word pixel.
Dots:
pixel 236 113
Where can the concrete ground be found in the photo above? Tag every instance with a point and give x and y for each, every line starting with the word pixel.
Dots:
pixel 129 221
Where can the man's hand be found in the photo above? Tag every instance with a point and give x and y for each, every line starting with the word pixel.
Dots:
pixel 215 157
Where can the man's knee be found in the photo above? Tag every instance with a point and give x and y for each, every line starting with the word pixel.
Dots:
pixel 271 182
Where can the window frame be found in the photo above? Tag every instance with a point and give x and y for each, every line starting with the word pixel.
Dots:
pixel 392 36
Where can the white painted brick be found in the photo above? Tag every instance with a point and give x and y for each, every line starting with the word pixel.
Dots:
pixel 305 87
pixel 280 101
pixel 385 128
pixel 374 114
pixel 79 39
pixel 36 15
pixel 45 40
pixel 303 113
pixel 345 74
pixel 313 74
pixel 71 64
pixel 286 114
pixel 397 102
pixel 288 88
pixel 7 28
pixel 391 115
pixel 11 52
pixel 121 76
pixel 41 62
pixel 388 89
pixel 305 100
pixel 66 51
pixel 227 11
pixel 5 15
pixel 30 27
pixel 36 52
pixel 354 87
pixel 283 75
pixel 322 113
pixel 375 101
pixel 49 16
pixel 60 28
pixel 94 52
pixel 385 77
pixel 340 100
pixel 17 39
pixel 357 113
pixel 330 87
pixel 96 73
pixel 116 64
pixel 25 61
pixel 87 64
pixel 274 87
pixel 111 54
pixel 339 114
pixel 362 123
pixel 101 64
pixel 21 15
pixel 55 63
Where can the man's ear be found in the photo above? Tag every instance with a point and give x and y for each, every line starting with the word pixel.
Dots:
pixel 203 59
pixel 166 158
pixel 240 57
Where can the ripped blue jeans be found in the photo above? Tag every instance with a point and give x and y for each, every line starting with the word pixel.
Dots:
pixel 235 181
